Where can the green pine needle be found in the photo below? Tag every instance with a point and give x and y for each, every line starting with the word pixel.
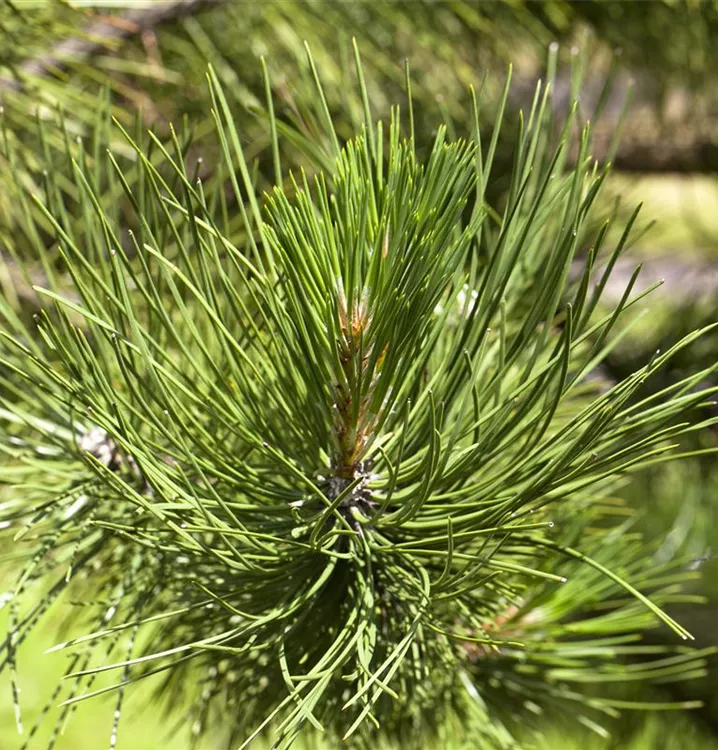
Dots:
pixel 344 464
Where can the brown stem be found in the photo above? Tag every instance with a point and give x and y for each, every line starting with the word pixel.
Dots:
pixel 351 435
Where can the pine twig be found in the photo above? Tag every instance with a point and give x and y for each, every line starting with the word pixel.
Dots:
pixel 99 33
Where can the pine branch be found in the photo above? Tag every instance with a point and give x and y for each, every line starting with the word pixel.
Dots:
pixel 685 281
pixel 346 467
pixel 664 156
pixel 99 35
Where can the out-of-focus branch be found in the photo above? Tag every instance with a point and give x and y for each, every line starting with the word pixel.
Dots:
pixel 685 282
pixel 17 286
pixel 656 138
pixel 667 156
pixel 100 33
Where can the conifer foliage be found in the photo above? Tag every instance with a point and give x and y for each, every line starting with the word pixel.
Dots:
pixel 344 466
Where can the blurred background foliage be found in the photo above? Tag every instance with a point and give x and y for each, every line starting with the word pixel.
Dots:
pixel 644 71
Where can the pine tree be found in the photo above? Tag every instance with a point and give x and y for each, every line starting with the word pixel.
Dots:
pixel 335 458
